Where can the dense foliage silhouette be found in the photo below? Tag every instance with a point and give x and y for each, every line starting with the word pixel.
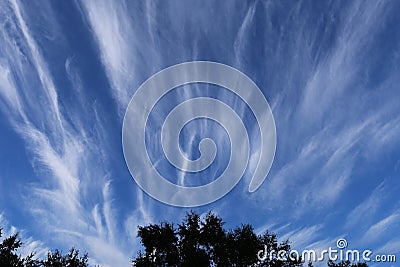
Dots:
pixel 10 258
pixel 205 242
pixel 195 242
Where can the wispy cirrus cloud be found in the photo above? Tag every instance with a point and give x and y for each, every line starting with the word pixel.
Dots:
pixel 382 227
pixel 65 152
pixel 321 134
pixel 318 66
pixel 367 209
pixel 113 30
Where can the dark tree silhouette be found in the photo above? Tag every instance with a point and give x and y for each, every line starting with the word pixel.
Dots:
pixel 10 258
pixel 72 258
pixel 205 242
pixel 8 247
pixel 194 242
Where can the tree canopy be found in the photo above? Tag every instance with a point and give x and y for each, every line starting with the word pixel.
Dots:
pixel 196 241
pixel 204 241
pixel 10 258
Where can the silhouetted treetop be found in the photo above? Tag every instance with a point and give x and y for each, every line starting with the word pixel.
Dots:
pixel 203 242
pixel 10 258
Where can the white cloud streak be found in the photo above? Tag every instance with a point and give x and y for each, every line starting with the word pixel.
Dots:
pixel 327 140
pixel 112 29
pixel 368 208
pixel 65 155
pixel 328 126
pixel 382 227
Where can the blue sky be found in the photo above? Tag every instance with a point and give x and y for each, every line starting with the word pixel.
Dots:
pixel 329 70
